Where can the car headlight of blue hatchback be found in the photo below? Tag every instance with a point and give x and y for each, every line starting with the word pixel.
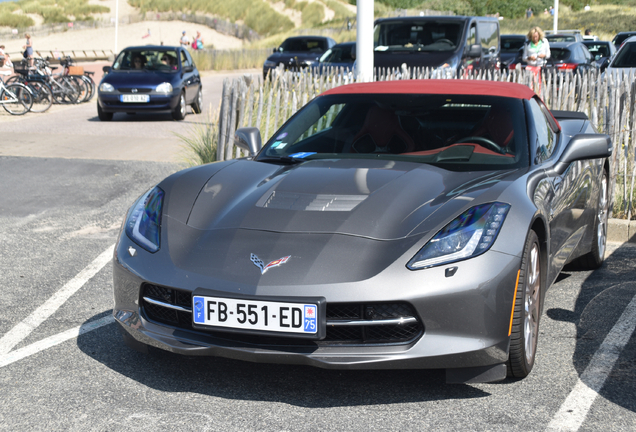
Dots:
pixel 165 87
pixel 468 235
pixel 106 87
pixel 143 224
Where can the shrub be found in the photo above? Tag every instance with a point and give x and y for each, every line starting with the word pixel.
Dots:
pixel 200 144
pixel 313 14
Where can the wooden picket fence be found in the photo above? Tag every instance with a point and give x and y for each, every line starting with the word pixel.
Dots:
pixel 608 100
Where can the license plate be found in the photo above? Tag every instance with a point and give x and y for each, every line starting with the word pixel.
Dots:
pixel 136 98
pixel 243 314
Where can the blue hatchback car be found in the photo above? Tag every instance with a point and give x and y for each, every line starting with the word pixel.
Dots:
pixel 150 79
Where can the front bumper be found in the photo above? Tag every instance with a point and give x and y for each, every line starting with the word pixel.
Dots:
pixel 465 317
pixel 111 103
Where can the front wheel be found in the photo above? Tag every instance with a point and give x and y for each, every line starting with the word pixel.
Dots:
pixel 527 311
pixel 103 116
pixel 179 111
pixel 16 99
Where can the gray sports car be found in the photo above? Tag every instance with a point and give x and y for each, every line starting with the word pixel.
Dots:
pixel 408 224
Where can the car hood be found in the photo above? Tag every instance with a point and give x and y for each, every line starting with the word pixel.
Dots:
pixel 412 59
pixel 383 200
pixel 137 78
pixel 291 56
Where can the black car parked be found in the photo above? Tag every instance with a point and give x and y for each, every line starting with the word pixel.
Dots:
pixel 150 79
pixel 565 57
pixel 602 52
pixel 449 44
pixel 511 48
pixel 298 52
pixel 622 37
pixel 570 56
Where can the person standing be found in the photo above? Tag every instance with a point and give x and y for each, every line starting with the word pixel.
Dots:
pixel 537 51
pixel 28 49
pixel 184 39
pixel 5 60
pixel 529 13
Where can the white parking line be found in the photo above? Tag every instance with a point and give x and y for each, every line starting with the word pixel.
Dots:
pixel 18 333
pixel 51 341
pixel 574 409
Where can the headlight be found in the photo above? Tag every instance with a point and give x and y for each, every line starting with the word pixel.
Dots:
pixel 269 64
pixel 164 88
pixel 468 235
pixel 144 220
pixel 106 88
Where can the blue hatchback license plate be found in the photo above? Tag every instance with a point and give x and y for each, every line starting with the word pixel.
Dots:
pixel 135 98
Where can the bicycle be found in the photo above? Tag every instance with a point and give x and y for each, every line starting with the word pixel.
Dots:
pixel 40 89
pixel 15 98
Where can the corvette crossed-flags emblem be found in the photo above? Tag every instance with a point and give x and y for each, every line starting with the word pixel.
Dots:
pixel 261 265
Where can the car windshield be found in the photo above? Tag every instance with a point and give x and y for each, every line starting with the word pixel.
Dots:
pixel 626 57
pixel 598 49
pixel 560 38
pixel 304 45
pixel 338 55
pixel 417 36
pixel 512 45
pixel 557 54
pixel 147 59
pixel 459 133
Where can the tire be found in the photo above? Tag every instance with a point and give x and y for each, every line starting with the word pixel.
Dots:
pixel 103 116
pixel 179 111
pixel 527 311
pixel 594 259
pixel 16 99
pixel 83 89
pixel 197 105
pixel 42 96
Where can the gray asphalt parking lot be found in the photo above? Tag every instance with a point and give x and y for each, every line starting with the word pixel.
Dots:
pixel 63 365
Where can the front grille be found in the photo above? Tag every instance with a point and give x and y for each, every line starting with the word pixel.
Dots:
pixel 130 90
pixel 347 323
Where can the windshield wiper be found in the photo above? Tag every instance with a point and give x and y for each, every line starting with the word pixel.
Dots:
pixel 282 159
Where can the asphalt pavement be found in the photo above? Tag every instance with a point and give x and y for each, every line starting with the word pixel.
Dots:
pixel 67 181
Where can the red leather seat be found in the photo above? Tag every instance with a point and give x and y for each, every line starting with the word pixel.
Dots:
pixel 382 133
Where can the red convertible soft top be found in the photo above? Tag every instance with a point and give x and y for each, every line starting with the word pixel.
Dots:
pixel 439 86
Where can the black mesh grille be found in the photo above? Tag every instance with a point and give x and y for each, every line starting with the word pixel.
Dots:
pixel 130 90
pixel 370 331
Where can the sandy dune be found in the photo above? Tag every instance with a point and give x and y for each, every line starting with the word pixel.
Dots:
pixel 168 32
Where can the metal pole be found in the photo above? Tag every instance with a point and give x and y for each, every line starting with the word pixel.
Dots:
pixel 364 41
pixel 116 24
pixel 555 25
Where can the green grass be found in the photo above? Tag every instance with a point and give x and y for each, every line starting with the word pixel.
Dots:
pixel 200 144
pixel 313 14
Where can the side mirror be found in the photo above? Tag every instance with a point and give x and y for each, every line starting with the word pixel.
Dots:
pixel 106 69
pixel 474 51
pixel 188 69
pixel 584 147
pixel 248 138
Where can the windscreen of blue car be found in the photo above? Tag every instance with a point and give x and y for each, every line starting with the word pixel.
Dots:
pixel 147 59
pixel 456 132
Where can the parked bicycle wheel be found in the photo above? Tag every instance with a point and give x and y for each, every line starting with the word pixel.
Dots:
pixel 42 96
pixel 65 91
pixel 84 89
pixel 16 99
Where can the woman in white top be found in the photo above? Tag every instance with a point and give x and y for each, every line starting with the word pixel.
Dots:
pixel 537 51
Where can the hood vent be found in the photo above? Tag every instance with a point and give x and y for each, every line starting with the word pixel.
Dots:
pixel 312 202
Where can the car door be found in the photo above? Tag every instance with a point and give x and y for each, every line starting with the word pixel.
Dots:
pixel 564 197
pixel 190 76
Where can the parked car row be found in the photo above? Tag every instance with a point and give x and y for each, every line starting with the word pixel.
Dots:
pixel 447 44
